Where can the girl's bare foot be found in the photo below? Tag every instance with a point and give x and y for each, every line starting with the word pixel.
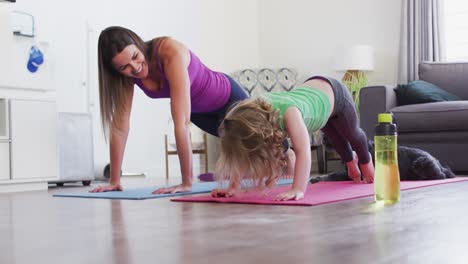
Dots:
pixel 353 169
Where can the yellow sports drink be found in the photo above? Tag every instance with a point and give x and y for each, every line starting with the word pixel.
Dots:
pixel 387 175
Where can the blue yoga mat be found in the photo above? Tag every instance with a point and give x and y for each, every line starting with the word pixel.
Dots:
pixel 145 193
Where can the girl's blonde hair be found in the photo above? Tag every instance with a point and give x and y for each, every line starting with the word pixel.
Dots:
pixel 114 87
pixel 251 144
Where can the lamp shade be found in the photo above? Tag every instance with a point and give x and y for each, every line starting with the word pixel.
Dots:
pixel 358 57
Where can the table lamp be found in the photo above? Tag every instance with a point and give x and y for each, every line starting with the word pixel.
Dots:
pixel 355 62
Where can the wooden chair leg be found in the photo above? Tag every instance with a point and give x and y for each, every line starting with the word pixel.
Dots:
pixel 205 142
pixel 325 160
pixel 167 157
pixel 321 159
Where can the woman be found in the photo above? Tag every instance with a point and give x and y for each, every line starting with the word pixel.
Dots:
pixel 162 68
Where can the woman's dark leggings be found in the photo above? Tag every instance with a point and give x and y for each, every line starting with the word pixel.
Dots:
pixel 342 128
pixel 210 121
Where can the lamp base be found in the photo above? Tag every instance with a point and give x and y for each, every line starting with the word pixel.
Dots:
pixel 353 75
pixel 355 80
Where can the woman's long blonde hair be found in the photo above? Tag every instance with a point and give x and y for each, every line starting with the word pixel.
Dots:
pixel 114 87
pixel 251 144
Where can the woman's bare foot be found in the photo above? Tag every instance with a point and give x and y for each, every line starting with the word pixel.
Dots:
pixel 353 169
pixel 368 171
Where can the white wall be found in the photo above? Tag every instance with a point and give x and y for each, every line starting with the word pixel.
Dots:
pixel 226 34
pixel 305 34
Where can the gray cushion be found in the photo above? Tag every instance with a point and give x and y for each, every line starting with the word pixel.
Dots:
pixel 432 117
pixel 450 76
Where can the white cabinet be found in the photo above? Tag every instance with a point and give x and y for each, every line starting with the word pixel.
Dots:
pixel 4 160
pixel 33 133
pixel 4 119
pixel 4 141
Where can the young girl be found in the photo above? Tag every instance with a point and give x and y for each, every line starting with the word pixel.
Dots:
pixel 162 68
pixel 254 129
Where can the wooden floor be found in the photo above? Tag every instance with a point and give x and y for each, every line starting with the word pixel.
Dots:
pixel 429 225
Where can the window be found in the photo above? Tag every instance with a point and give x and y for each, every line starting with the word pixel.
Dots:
pixel 456 29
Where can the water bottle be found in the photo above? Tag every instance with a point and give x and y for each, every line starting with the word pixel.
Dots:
pixel 387 175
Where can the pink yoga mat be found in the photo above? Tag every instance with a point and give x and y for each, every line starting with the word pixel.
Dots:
pixel 319 193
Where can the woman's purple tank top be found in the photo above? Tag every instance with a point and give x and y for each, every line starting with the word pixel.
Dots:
pixel 209 90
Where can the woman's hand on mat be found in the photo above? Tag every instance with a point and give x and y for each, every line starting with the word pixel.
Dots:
pixel 223 192
pixel 107 188
pixel 292 194
pixel 174 189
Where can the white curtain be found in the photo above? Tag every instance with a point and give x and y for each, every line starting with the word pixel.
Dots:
pixel 421 36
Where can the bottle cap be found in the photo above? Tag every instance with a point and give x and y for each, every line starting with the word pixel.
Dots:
pixel 385 127
pixel 385 118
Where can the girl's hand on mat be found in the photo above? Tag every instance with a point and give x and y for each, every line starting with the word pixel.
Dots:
pixel 108 188
pixel 174 189
pixel 292 194
pixel 223 192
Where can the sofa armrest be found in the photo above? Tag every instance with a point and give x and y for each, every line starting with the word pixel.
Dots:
pixel 374 100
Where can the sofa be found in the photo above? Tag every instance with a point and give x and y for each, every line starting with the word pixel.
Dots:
pixel 440 128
